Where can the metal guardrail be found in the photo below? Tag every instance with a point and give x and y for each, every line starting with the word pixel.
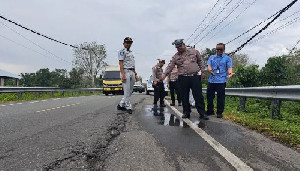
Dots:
pixel 275 93
pixel 291 93
pixel 37 90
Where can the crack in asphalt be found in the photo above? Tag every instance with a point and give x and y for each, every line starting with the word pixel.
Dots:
pixel 95 158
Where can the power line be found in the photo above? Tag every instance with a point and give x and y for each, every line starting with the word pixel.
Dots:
pixel 266 26
pixel 220 22
pixel 276 30
pixel 296 44
pixel 26 47
pixel 34 43
pixel 245 9
pixel 212 19
pixel 203 21
pixel 251 28
pixel 35 32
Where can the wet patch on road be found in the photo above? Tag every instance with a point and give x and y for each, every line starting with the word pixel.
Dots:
pixel 165 117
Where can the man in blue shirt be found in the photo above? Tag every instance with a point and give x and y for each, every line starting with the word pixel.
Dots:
pixel 220 69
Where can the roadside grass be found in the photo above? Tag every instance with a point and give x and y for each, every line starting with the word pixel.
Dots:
pixel 257 117
pixel 27 96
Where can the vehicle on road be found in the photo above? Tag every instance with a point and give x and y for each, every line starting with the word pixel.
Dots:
pixel 138 87
pixel 112 83
pixel 149 87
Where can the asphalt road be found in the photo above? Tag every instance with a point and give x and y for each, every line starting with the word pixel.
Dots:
pixel 88 133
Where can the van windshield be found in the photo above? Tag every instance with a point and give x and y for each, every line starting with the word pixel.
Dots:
pixel 112 75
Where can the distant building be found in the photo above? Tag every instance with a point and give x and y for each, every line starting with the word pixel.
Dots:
pixel 6 75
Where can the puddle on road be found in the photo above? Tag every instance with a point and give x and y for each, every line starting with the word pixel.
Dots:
pixel 165 117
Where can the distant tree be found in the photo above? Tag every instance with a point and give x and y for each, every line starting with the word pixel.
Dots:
pixel 76 76
pixel 275 72
pixel 89 58
pixel 207 53
pixel 246 76
pixel 293 60
pixel 240 59
pixel 28 80
pixel 43 77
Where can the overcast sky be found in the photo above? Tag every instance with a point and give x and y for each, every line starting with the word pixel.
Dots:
pixel 153 25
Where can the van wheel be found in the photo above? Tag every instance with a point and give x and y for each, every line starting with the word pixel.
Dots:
pixel 147 93
pixel 106 94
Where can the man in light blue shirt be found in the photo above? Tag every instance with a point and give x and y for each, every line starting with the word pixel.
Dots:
pixel 220 68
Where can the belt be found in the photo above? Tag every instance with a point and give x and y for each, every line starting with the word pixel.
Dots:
pixel 173 80
pixel 189 75
pixel 129 69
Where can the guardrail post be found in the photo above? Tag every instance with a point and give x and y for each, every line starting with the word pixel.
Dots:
pixel 275 109
pixel 51 94
pixel 37 95
pixel 20 95
pixel 71 93
pixel 242 106
pixel 63 93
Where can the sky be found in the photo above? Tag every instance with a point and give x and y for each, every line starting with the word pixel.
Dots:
pixel 153 25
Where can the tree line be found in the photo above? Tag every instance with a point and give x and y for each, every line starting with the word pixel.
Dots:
pixel 88 66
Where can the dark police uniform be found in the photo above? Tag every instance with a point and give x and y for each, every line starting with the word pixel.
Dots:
pixel 159 89
pixel 189 63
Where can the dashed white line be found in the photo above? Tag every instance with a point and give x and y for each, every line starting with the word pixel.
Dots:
pixel 44 100
pixel 11 104
pixel 19 103
pixel 3 105
pixel 230 157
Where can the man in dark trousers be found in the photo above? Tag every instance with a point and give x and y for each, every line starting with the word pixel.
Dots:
pixel 172 81
pixel 220 69
pixel 189 62
pixel 159 89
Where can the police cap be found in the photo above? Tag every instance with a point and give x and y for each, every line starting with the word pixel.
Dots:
pixel 128 40
pixel 178 42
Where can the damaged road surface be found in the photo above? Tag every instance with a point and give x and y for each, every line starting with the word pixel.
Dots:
pixel 89 133
pixel 60 134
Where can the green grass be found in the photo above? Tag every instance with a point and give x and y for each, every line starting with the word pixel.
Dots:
pixel 257 117
pixel 13 97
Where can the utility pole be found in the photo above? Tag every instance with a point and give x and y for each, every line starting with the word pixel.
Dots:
pixel 91 67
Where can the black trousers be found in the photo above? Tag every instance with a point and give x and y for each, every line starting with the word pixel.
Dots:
pixel 159 93
pixel 174 88
pixel 191 82
pixel 212 88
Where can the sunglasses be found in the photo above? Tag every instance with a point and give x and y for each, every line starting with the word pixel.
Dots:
pixel 219 49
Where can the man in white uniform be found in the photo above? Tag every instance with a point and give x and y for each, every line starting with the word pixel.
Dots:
pixel 128 74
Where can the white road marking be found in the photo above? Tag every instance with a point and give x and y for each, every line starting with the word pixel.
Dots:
pixel 3 105
pixel 230 157
pixel 44 100
pixel 11 104
pixel 19 103
pixel 57 107
pixel 34 102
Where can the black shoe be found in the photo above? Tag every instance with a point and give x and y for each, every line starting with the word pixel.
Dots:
pixel 120 107
pixel 219 116
pixel 172 104
pixel 185 116
pixel 179 104
pixel 129 111
pixel 210 113
pixel 162 105
pixel 205 117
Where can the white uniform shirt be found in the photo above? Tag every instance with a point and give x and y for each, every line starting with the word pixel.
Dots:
pixel 127 57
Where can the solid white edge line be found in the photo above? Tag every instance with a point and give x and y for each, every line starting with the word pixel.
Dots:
pixel 230 157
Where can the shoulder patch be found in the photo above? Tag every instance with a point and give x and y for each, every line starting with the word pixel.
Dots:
pixel 122 53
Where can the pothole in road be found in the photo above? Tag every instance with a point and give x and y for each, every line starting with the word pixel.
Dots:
pixel 165 117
